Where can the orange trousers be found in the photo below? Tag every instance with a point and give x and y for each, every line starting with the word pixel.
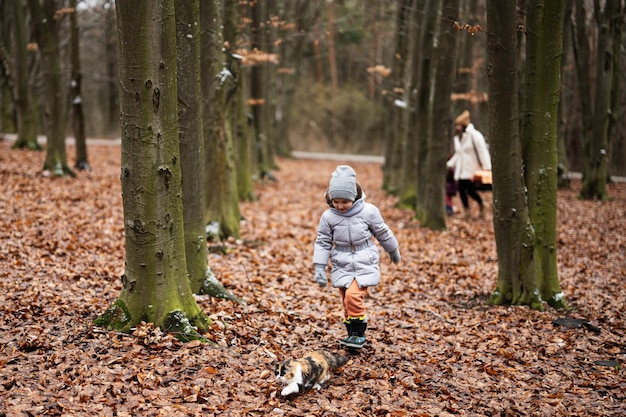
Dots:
pixel 352 301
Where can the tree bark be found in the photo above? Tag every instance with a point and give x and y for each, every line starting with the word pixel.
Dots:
pixel 515 237
pixel 75 93
pixel 544 48
pixel 223 198
pixel 397 107
pixel 429 204
pixel 596 170
pixel 25 104
pixel 238 121
pixel 300 17
pixel 259 93
pixel 155 284
pixel 112 106
pixel 565 102
pixel 46 23
pixel 415 166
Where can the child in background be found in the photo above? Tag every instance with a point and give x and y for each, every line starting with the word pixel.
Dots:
pixel 344 236
pixel 451 189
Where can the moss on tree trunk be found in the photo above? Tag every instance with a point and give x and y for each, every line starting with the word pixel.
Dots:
pixel 155 286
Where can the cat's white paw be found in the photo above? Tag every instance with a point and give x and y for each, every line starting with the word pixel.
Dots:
pixel 289 389
pixel 317 387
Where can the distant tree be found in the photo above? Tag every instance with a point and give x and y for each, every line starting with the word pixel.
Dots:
pixel 597 112
pixel 297 18
pixel 398 92
pixel 429 204
pixel 111 91
pixel 414 152
pixel 237 109
pixel 262 119
pixel 25 103
pixel 46 16
pixel 192 144
pixel 525 165
pixel 565 102
pixel 155 285
pixel 219 86
pixel 75 92
pixel 7 119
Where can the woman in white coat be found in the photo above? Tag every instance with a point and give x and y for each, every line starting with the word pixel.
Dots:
pixel 470 154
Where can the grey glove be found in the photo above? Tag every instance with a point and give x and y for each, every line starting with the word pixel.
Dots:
pixel 394 255
pixel 320 275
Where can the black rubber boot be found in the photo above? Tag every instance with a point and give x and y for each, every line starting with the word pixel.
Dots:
pixel 356 330
pixel 348 325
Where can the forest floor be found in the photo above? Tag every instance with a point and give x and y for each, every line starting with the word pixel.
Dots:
pixel 435 348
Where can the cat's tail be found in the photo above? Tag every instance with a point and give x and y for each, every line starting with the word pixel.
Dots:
pixel 335 361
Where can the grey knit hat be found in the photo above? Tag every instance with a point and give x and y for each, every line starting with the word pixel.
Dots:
pixel 342 183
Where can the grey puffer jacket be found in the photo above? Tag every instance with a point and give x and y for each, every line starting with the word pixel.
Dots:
pixel 346 238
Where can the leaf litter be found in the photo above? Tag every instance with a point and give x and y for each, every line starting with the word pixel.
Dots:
pixel 434 346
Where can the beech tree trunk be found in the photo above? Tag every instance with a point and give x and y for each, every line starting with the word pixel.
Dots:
pixel 47 16
pixel 429 203
pixel 514 233
pixel 191 138
pixel 237 119
pixel 155 287
pixel 419 93
pixel 259 93
pixel 544 48
pixel 222 195
pixel 25 103
pixel 75 93
pixel 525 165
pixel 397 106
pixel 596 168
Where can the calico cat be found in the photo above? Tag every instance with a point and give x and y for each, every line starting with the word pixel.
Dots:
pixel 309 371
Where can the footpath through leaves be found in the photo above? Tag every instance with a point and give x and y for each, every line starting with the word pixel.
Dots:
pixel 434 347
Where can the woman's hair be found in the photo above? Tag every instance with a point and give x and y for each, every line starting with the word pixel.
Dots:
pixel 359 194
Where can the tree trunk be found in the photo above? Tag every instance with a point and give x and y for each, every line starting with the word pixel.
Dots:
pixel 565 102
pixel 155 284
pixel 429 204
pixel 397 108
pixel 595 175
pixel 300 17
pixel 582 59
pixel 615 120
pixel 76 99
pixel 468 63
pixel 238 120
pixel 112 115
pixel 46 22
pixel 223 198
pixel 258 94
pixel 8 124
pixel 332 65
pixel 418 132
pixel 544 48
pixel 191 139
pixel 514 233
pixel 25 104
pixel 191 144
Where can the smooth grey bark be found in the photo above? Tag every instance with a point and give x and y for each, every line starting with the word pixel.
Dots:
pixel 429 202
pixel 46 21
pixel 25 103
pixel 155 285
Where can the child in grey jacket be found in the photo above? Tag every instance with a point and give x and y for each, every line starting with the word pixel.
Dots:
pixel 344 236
